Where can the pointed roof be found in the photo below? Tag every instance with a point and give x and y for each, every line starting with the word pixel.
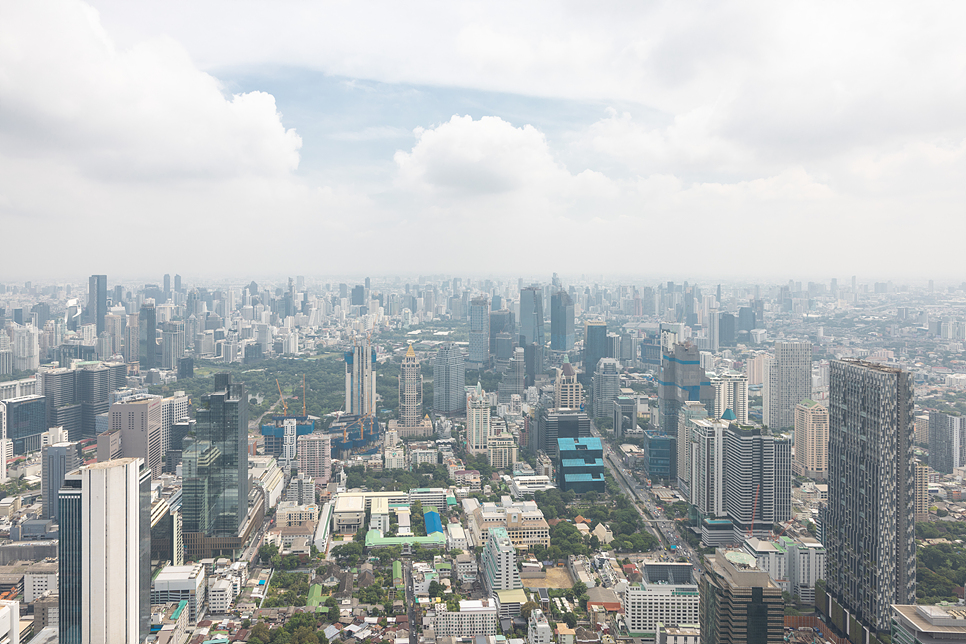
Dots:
pixel 728 415
pixel 410 353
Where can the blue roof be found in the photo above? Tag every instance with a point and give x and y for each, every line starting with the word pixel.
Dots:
pixel 579 462
pixel 433 522
pixel 590 442
pixel 728 415
pixel 583 477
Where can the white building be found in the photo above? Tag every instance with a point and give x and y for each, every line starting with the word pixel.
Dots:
pixel 523 487
pixel 97 503
pixel 499 562
pixel 538 628
pixel 38 579
pixel 182 583
pixel 9 621
pixel 477 420
pixel 474 618
pixel 794 564
pixel 456 537
pixel 429 497
pixel 522 520
pixel 731 392
pixel 315 456
pixel 788 381
pixel 220 596
pixel 266 474
pixel 668 595
pixel 379 515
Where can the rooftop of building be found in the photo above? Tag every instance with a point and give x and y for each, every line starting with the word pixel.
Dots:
pixel 939 619
pixel 583 443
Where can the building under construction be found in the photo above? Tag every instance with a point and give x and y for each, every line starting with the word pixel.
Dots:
pixel 353 434
pixel 274 432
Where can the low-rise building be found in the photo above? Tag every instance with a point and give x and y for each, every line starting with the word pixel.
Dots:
pixel 474 618
pixel 523 521
pixel 176 583
pixel 523 487
pixel 928 624
pixel 220 596
pixel 291 514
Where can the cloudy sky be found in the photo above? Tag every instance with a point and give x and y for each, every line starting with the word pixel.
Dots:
pixel 766 140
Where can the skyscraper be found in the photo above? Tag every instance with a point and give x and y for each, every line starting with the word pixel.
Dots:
pixel 561 322
pixel 477 420
pixel 147 336
pixel 360 378
pixel 105 554
pixel 479 347
pixel 138 418
pixel 567 392
pixel 811 440
pixel 788 381
pixel 607 385
pixel 595 344
pixel 869 524
pixel 215 463
pixel 947 441
pixel 499 562
pixel 682 378
pixel 449 377
pixel 57 460
pixel 500 322
pixel 97 301
pixel 757 480
pixel 410 391
pixel 739 603
pixel 531 316
pixel 172 344
pixel 731 392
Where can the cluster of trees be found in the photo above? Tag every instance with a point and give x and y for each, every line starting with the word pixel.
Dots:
pixel 621 517
pixel 348 553
pixel 301 628
pixel 269 553
pixel 940 568
pixel 287 589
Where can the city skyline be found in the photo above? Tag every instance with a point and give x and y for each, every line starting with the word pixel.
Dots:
pixel 738 121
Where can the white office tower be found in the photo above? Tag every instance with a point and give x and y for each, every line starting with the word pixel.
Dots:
pixel 288 444
pixel 105 564
pixel 477 420
pixel 9 621
pixel 360 379
pixel 788 381
pixel 707 466
pixel 731 392
pixel 479 344
pixel 315 456
pixel 538 628
pixel 500 562
pixel 567 392
pixel 138 418
pixel 410 391
pixel 690 409
pixel 757 478
pixel 607 385
pixel 714 329
pixel 667 595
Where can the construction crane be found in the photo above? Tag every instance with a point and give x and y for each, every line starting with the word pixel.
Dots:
pixel 284 404
pixel 303 395
pixel 754 510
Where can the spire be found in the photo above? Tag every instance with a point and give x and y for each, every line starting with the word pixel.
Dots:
pixel 410 353
pixel 566 358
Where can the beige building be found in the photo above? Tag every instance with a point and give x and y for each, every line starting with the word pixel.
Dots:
pixel 523 521
pixel 502 451
pixel 811 440
pixel 567 392
pixel 138 418
pixel 291 514
pixel 922 493
pixel 922 429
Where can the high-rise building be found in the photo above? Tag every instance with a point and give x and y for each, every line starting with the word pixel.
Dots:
pixel 477 420
pixel 410 391
pixel 215 463
pixel 607 386
pixel 567 392
pixel 138 419
pixel 811 440
pixel 553 424
pixel 625 416
pixel 947 441
pixel 580 465
pixel 57 460
pixel 479 345
pixel 682 378
pixel 561 322
pixel 538 628
pixel 869 523
pixel 24 422
pixel 668 594
pixel 172 344
pixel 97 301
pixel 788 381
pixel 360 379
pixel 105 554
pixel 315 456
pixel 714 330
pixel 595 344
pixel 132 333
pixel 922 492
pixel 531 316
pixel 499 560
pixel 515 378
pixel 757 480
pixel 449 377
pixel 691 409
pixel 147 336
pixel 501 321
pixel 731 392
pixel 739 604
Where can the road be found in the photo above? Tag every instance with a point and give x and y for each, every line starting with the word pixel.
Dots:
pixel 407 565
pixel 657 524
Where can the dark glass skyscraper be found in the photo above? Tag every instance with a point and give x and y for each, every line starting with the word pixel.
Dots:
pixel 449 378
pixel 561 322
pixel 215 463
pixel 682 378
pixel 869 523
pixel 531 316
pixel 595 344
pixel 97 301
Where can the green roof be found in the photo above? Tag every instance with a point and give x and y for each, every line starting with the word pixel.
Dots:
pixel 374 539
pixel 315 596
pixel 728 415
